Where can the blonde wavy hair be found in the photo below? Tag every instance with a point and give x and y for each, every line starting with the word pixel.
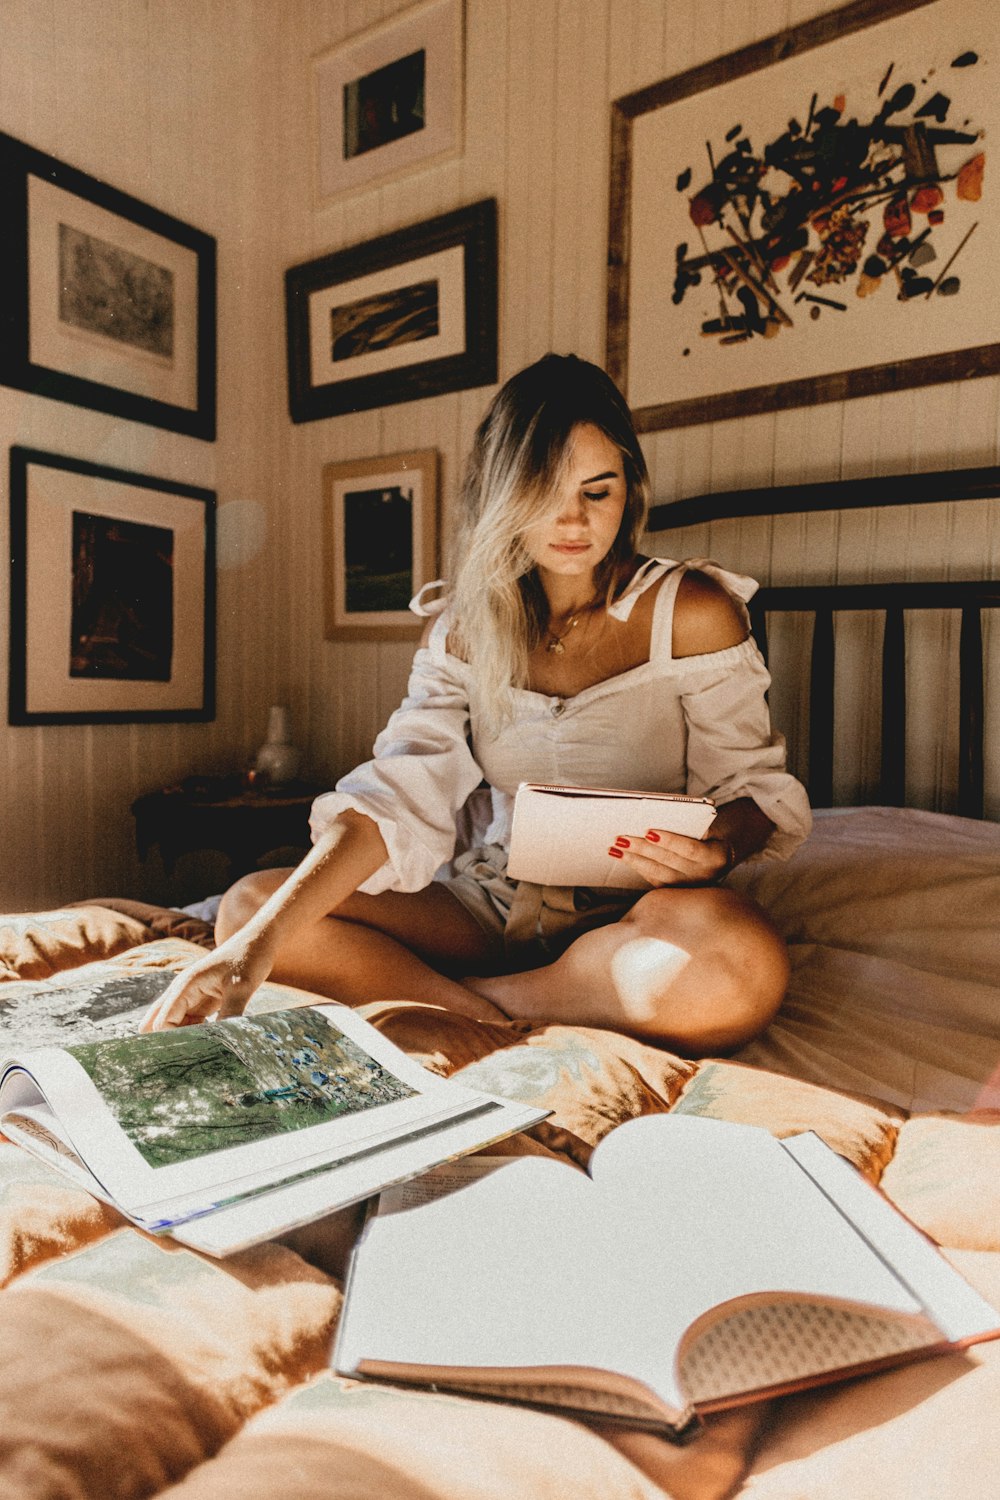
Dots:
pixel 499 611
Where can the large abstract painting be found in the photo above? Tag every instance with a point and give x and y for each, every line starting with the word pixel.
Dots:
pixel 809 218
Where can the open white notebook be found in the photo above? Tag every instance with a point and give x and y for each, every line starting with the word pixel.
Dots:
pixel 700 1265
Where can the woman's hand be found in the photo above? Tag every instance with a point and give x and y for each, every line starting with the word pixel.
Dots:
pixel 216 986
pixel 664 858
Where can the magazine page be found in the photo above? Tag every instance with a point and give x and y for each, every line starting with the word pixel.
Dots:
pixel 174 1122
pixel 409 1161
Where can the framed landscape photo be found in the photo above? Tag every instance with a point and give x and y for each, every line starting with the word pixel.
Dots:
pixel 112 595
pixel 380 534
pixel 808 219
pixel 409 314
pixel 389 99
pixel 105 302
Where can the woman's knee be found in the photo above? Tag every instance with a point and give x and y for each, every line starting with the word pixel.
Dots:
pixel 244 898
pixel 727 960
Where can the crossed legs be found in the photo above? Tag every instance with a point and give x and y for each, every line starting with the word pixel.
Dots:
pixel 697 969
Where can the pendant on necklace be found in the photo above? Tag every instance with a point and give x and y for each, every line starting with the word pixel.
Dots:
pixel 556 646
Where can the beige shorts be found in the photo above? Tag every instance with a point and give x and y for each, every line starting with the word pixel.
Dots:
pixel 532 923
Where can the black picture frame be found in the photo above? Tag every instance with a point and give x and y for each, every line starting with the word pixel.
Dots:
pixel 53 497
pixel 461 313
pixel 163 371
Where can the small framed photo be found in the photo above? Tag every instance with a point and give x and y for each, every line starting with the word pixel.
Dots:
pixel 389 99
pixel 380 533
pixel 409 314
pixel 105 302
pixel 112 595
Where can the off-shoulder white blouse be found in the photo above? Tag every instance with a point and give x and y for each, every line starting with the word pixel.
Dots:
pixel 694 724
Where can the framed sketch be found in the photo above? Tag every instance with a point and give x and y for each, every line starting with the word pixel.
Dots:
pixel 389 99
pixel 112 595
pixel 807 219
pixel 104 301
pixel 410 314
pixel 380 536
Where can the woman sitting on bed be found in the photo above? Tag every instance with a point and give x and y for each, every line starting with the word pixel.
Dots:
pixel 558 655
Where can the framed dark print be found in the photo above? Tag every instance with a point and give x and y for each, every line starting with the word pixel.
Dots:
pixel 380 534
pixel 105 302
pixel 410 314
pixel 808 219
pixel 389 99
pixel 112 595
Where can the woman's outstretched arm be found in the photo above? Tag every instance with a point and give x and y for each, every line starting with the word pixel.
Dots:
pixel 347 852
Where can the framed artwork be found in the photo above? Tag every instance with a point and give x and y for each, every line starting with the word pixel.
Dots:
pixel 380 535
pixel 410 314
pixel 389 99
pixel 105 302
pixel 807 219
pixel 112 595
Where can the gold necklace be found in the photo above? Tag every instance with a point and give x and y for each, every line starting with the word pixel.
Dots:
pixel 555 643
pixel 556 639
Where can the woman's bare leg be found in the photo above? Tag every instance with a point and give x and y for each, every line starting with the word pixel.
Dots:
pixel 396 946
pixel 700 970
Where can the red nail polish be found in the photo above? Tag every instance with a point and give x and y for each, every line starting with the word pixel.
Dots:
pixel 616 854
pixel 622 843
pixel 652 836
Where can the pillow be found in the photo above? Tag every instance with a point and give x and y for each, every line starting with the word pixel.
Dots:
pixel 34 945
pixel 915 887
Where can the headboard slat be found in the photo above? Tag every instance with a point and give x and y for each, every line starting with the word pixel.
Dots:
pixel 894 709
pixel 821 709
pixel 970 720
pixel 758 625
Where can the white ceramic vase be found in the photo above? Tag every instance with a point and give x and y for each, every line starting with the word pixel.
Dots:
pixel 277 759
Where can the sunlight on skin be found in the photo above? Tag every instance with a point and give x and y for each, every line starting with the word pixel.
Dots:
pixel 641 970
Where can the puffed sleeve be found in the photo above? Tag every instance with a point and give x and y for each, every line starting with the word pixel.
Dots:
pixel 732 750
pixel 421 774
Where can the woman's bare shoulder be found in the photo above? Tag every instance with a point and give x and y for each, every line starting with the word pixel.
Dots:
pixel 706 617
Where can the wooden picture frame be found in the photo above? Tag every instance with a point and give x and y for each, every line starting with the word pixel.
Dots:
pixel 112 595
pixel 389 100
pixel 793 223
pixel 380 538
pixel 105 302
pixel 409 314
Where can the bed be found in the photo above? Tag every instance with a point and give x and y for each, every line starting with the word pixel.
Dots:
pixel 133 1368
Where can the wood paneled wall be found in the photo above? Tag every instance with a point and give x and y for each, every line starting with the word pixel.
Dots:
pixel 203 108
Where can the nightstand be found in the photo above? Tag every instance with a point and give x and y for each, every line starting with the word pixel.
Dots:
pixel 222 812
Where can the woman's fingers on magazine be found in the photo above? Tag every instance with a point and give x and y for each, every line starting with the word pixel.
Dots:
pixel 196 996
pixel 665 858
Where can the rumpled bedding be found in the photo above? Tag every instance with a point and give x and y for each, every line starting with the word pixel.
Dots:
pixel 133 1367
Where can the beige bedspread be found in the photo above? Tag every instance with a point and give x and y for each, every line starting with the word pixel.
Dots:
pixel 133 1368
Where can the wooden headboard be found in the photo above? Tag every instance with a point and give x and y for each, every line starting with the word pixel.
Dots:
pixel 807 616
pixel 890 600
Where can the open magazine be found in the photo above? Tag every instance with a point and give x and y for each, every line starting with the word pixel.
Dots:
pixel 230 1133
pixel 700 1264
